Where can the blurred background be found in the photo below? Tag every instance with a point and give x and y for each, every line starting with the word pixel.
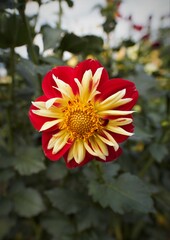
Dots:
pixel 85 18
pixel 124 200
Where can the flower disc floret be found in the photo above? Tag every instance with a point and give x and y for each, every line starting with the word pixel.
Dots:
pixel 81 120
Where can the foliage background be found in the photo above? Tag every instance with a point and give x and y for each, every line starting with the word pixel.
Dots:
pixel 124 200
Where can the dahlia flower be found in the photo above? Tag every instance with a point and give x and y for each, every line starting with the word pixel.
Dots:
pixel 83 115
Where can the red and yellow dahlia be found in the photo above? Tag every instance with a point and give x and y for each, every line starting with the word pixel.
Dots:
pixel 82 114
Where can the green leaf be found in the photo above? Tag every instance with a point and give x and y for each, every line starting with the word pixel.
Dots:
pixel 72 43
pixel 110 170
pixel 58 225
pixel 59 199
pixel 56 170
pixel 27 70
pixel 12 31
pixel 70 3
pixel 52 60
pixel 125 194
pixel 29 160
pixel 158 151
pixel 43 69
pixel 75 44
pixel 27 202
pixel 91 216
pixel 51 37
pixel 94 44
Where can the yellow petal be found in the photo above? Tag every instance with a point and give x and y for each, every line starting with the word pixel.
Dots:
pixel 60 143
pixel 96 149
pixel 78 84
pixel 120 102
pixel 63 87
pixel 51 101
pixel 87 76
pixel 51 143
pixel 97 75
pixel 45 113
pixel 109 140
pixel 88 148
pixel 78 151
pixel 70 153
pixel 112 99
pixel 102 146
pixel 119 122
pixel 118 130
pixel 113 113
pixel 85 89
pixel 39 105
pixel 49 124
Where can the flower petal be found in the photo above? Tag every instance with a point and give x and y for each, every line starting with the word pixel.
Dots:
pixel 51 101
pixel 105 113
pixel 92 65
pixel 36 120
pixel 118 130
pixel 84 91
pixel 109 140
pixel 48 151
pixel 64 73
pixel 49 124
pixel 115 85
pixel 97 76
pixel 120 121
pixel 77 151
pixel 98 146
pixel 60 143
pixel 73 164
pixel 121 137
pixel 64 88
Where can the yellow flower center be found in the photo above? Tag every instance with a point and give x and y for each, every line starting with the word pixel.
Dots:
pixel 81 120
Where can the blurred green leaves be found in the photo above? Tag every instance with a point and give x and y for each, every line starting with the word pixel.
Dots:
pixel 29 160
pixel 51 37
pixel 125 194
pixel 89 44
pixel 27 202
pixel 8 37
pixel 59 199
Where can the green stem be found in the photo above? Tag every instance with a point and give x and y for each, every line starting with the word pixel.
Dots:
pixel 60 13
pixel 10 131
pixel 12 73
pixel 12 100
pixel 30 42
pixel 136 230
pixel 118 229
pixel 146 167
